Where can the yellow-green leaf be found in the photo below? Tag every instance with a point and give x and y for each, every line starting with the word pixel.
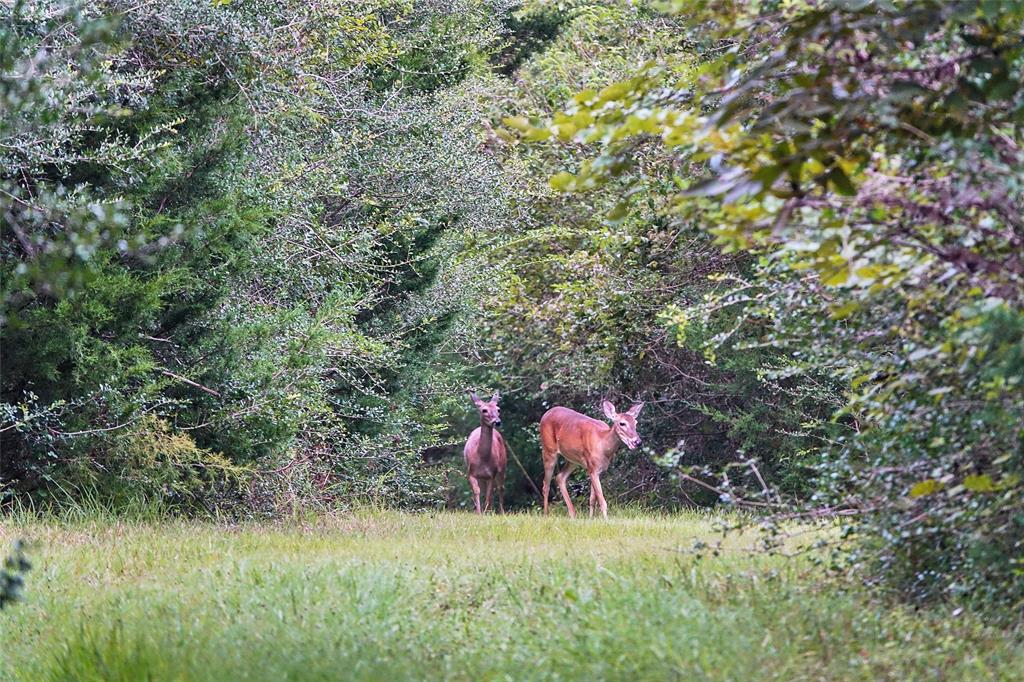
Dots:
pixel 537 134
pixel 614 91
pixel 926 487
pixel 585 96
pixel 837 277
pixel 979 483
pixel 563 182
pixel 517 122
pixel 840 312
pixel 859 380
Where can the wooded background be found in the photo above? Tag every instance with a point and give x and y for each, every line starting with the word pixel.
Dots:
pixel 254 253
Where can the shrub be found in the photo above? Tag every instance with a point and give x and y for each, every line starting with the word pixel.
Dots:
pixel 12 575
pixel 148 463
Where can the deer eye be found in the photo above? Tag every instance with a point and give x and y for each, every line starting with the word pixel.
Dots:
pixel 622 423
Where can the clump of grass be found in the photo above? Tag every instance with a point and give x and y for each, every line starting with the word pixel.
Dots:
pixel 452 596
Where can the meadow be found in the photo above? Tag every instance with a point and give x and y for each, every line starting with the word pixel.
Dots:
pixel 387 596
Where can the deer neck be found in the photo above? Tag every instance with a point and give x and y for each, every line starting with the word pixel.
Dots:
pixel 483 447
pixel 610 443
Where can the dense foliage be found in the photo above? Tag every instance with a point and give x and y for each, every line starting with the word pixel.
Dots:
pixel 579 314
pixel 254 253
pixel 227 230
pixel 869 157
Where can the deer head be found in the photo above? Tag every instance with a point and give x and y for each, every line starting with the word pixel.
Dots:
pixel 624 423
pixel 490 415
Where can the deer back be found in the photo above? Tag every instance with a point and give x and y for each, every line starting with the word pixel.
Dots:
pixel 579 438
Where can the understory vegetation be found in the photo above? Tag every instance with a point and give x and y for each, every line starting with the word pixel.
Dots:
pixel 254 254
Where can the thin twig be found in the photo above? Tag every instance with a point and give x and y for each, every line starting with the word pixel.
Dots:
pixel 169 373
pixel 522 468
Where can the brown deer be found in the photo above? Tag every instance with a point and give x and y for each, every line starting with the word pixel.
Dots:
pixel 485 453
pixel 585 442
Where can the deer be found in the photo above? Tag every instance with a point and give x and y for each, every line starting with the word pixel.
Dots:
pixel 584 442
pixel 486 454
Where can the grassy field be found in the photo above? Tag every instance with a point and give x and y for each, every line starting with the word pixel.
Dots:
pixel 388 596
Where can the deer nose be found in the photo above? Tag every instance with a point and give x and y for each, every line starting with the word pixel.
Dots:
pixel 496 422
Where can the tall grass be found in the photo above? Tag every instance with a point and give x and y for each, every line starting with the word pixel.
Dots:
pixel 82 505
pixel 375 595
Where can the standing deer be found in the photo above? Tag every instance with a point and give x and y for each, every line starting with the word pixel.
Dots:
pixel 585 442
pixel 485 453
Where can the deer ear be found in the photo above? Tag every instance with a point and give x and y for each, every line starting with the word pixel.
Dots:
pixel 476 400
pixel 635 410
pixel 609 409
pixel 494 398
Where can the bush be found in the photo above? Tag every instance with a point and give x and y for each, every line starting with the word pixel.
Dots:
pixel 12 580
pixel 149 464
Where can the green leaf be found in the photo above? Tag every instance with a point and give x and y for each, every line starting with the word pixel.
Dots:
pixel 767 175
pixel 841 182
pixel 618 213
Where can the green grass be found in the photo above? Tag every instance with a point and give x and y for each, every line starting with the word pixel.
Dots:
pixel 390 596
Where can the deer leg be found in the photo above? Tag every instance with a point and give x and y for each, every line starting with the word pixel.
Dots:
pixel 595 487
pixel 593 499
pixel 562 477
pixel 501 492
pixel 549 469
pixel 487 495
pixel 475 485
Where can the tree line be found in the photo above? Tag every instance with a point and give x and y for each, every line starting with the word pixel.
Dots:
pixel 253 255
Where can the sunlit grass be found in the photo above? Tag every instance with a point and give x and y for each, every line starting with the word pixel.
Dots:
pixel 442 596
